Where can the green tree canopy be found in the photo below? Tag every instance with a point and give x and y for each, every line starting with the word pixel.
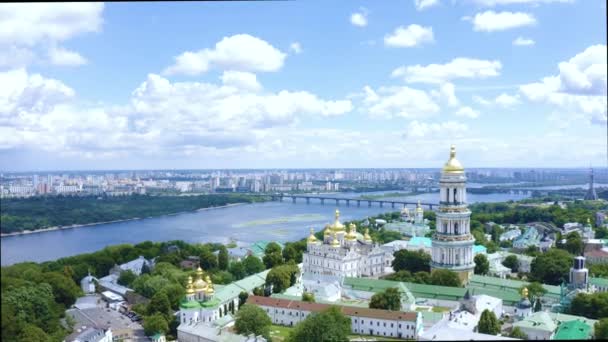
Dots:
pixel 389 299
pixel 412 261
pixel 159 304
pixel 329 325
pixel 243 295
pixel 488 323
pixel 482 265
pixel 253 265
pixel 126 278
pixel 238 270
pixel 222 258
pixel 601 329
pixel 517 333
pixel 535 290
pixel 281 277
pixel 511 262
pixel 155 324
pixel 551 267
pixel 252 319
pixel 594 306
pixel 444 278
pixel 308 297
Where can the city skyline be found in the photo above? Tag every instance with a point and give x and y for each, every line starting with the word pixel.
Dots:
pixel 261 85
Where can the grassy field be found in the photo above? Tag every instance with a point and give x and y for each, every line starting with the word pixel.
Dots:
pixel 279 332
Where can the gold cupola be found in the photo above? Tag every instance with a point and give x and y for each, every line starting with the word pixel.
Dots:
pixel 352 233
pixel 327 230
pixel 419 207
pixel 366 236
pixel 190 286
pixel 312 238
pixel 199 284
pixel 334 240
pixel 453 165
pixel 209 290
pixel 337 226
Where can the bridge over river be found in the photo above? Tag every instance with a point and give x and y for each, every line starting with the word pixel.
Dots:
pixel 337 200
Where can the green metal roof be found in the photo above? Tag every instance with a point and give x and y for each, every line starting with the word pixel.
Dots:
pixel 418 290
pixel 539 321
pixel 227 292
pixel 508 284
pixel 193 304
pixel 598 281
pixel 573 330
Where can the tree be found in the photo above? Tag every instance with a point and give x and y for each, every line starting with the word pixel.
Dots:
pixel 65 290
pixel 126 278
pixel 517 333
pixel 243 298
pixel 488 323
pixel 208 260
pixel 272 247
pixel 32 333
pixel 238 270
pixel 551 267
pixel 482 265
pixel 538 306
pixel 601 329
pixel 252 319
pixel 328 325
pixel 155 324
pixel 535 290
pixel 593 305
pixel 253 265
pixel 281 277
pixel 511 262
pixel 574 243
pixel 222 258
pixel 159 304
pixel 445 278
pixel 272 259
pixel 412 261
pixel 308 297
pixel 389 299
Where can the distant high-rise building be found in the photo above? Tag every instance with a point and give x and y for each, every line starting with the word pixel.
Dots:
pixel 591 195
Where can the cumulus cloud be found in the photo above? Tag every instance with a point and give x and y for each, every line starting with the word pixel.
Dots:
pixel 388 102
pixel 25 28
pixel 446 92
pixel 457 68
pixel 490 21
pixel 242 80
pixel 410 36
pixel 417 129
pixel 359 18
pixel 295 47
pixel 467 112
pixel 241 52
pixel 520 41
pixel 507 100
pixel 579 86
pixel 60 56
pixel 424 4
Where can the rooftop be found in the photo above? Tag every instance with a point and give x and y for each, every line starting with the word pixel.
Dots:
pixel 539 320
pixel 573 330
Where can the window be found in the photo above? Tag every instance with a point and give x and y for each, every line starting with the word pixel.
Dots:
pixel 455 196
pixel 456 228
pixel 391 325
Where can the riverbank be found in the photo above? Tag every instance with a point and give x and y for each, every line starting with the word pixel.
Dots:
pixel 50 229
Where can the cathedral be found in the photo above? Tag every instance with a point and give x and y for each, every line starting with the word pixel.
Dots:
pixel 452 243
pixel 341 254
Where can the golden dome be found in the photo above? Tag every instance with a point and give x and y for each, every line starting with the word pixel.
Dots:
pixel 524 292
pixel 337 226
pixel 453 165
pixel 209 289
pixel 199 284
pixel 190 286
pixel 312 238
pixel 334 241
pixel 366 236
pixel 327 230
pixel 352 234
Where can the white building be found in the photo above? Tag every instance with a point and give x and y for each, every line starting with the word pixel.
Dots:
pixel 90 334
pixel 87 284
pixel 339 255
pixel 364 321
pixel 452 244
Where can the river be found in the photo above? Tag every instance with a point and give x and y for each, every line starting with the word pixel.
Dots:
pixel 277 221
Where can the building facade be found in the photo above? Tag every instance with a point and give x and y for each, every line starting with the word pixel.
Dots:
pixel 452 243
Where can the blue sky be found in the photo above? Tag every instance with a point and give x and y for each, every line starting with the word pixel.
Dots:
pixel 512 83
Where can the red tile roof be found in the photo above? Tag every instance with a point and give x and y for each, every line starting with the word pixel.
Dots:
pixel 347 310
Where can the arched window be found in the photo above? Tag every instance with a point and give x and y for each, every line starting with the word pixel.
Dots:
pixel 445 227
pixel 456 228
pixel 455 196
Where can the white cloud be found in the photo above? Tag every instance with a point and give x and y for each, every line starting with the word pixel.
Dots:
pixel 25 28
pixel 481 100
pixel 490 21
pixel 457 68
pixel 507 100
pixel 409 36
pixel 242 80
pixel 520 41
pixel 467 112
pixel 446 92
pixel 492 3
pixel 424 4
pixel 389 102
pixel 417 129
pixel 241 52
pixel 295 47
pixel 579 87
pixel 359 18
pixel 61 56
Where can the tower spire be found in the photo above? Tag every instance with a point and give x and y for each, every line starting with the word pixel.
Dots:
pixel 591 194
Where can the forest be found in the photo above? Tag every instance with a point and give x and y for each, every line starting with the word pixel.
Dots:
pixel 55 211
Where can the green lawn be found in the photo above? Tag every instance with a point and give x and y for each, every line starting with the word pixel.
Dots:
pixel 279 332
pixel 440 309
pixel 357 337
